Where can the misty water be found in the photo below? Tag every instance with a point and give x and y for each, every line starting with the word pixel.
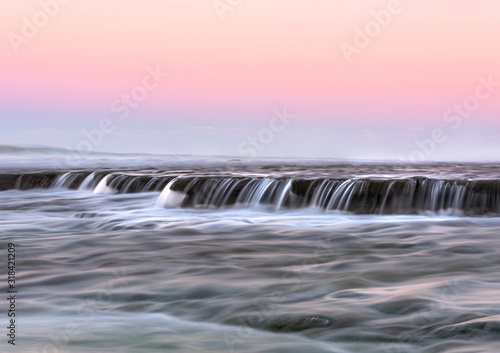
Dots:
pixel 130 253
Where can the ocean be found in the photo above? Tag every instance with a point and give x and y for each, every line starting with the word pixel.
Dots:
pixel 145 253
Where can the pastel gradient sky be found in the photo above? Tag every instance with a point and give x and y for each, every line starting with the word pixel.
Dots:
pixel 61 75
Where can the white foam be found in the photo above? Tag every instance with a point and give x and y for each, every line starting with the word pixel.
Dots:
pixel 103 188
pixel 169 198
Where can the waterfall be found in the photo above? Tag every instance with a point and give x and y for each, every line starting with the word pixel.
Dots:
pixel 361 196
pixel 88 182
pixel 283 194
pixel 150 184
pixel 103 188
pixel 169 198
pixel 65 180
pixel 386 196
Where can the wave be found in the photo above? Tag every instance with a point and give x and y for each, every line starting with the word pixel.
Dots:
pixel 360 196
pixel 17 158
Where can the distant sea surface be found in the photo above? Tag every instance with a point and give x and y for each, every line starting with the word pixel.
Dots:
pixel 145 253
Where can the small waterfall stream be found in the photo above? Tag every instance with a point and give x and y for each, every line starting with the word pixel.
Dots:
pixel 362 196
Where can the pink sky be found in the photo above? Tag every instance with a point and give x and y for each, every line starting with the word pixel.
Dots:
pixel 264 54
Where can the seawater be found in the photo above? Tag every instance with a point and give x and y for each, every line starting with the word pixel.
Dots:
pixel 108 268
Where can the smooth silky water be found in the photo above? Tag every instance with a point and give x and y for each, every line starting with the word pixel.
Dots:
pixel 128 253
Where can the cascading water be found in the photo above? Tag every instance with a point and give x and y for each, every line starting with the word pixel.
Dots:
pixel 358 258
pixel 170 198
pixel 362 196
pixel 89 182
pixel 284 192
pixel 103 188
pixel 65 180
